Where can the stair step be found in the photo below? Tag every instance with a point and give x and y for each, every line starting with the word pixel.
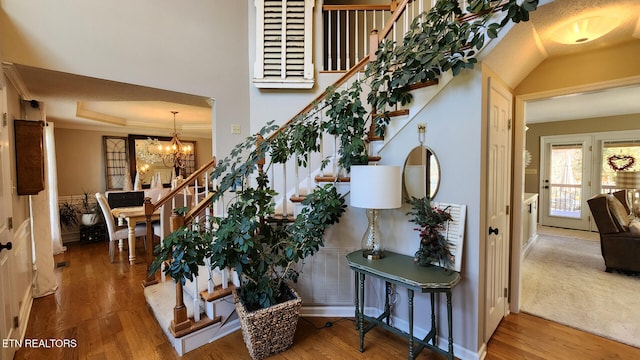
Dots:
pixel 423 84
pixel 195 326
pixel 218 292
pixel 333 179
pixel 393 113
pixel 279 218
pixel 375 158
pixel 297 199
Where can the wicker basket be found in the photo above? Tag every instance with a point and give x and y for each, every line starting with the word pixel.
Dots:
pixel 271 330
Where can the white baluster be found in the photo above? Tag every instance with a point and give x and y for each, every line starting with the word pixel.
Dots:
pixel 347 30
pixel 357 36
pixel 309 174
pixel 196 300
pixel 338 37
pixel 284 190
pixel 335 156
pixel 364 33
pixel 375 13
pixel 321 120
pixel 297 176
pixel 330 54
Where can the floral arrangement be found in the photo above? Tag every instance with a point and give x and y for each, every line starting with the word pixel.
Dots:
pixel 434 247
pixel 621 162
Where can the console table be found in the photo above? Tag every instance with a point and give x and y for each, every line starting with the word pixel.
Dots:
pixel 400 270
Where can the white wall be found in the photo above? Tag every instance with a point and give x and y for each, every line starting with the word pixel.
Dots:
pixel 453 132
pixel 197 47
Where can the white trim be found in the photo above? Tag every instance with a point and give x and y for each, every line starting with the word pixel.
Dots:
pixel 332 311
pixel 283 84
pixel 14 77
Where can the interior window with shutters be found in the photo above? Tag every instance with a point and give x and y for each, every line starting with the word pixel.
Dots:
pixel 284 44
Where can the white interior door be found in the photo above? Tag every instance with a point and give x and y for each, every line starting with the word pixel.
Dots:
pixel 498 191
pixel 566 181
pixel 8 304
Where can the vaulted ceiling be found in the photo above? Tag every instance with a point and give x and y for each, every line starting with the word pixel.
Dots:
pixel 83 102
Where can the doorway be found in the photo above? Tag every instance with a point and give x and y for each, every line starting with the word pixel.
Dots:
pixel 566 181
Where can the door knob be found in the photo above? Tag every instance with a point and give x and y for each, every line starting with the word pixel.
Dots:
pixel 7 246
pixel 493 231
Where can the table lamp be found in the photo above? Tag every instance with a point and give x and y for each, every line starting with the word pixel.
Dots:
pixel 375 187
pixel 630 181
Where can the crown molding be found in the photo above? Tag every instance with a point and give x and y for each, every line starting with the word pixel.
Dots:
pixel 14 77
pixel 84 113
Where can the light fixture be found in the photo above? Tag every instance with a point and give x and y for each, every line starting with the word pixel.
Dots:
pixel 375 187
pixel 630 181
pixel 584 29
pixel 174 154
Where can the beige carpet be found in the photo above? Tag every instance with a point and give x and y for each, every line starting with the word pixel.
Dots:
pixel 564 281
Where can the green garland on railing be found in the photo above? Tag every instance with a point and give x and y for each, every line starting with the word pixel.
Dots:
pixel 434 44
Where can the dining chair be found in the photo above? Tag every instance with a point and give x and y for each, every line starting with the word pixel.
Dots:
pixel 117 233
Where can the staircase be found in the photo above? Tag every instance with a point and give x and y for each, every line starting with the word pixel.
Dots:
pixel 203 310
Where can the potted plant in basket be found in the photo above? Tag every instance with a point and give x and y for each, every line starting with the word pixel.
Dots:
pixel 434 247
pixel 263 249
pixel 260 247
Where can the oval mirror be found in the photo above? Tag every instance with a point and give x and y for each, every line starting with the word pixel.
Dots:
pixel 421 174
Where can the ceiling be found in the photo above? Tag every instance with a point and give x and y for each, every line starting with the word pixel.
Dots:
pixel 547 23
pixel 84 102
pixel 74 101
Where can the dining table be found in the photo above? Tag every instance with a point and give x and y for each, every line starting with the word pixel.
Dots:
pixel 133 215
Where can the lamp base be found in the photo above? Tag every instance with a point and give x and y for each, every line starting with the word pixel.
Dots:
pixel 372 255
pixel 372 247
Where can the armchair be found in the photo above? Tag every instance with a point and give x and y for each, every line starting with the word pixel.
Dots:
pixel 619 238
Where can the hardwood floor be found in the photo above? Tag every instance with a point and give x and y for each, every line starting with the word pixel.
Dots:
pixel 100 305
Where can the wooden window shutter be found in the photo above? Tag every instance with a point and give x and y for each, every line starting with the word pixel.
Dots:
pixel 29 156
pixel 284 44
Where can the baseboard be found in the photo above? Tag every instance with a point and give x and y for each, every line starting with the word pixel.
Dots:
pixel 328 311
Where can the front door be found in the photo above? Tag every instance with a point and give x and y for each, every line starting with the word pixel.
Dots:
pixel 7 303
pixel 498 200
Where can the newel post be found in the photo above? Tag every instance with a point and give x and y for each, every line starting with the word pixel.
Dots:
pixel 373 44
pixel 148 211
pixel 180 319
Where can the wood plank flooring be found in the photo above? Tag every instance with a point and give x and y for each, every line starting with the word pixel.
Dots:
pixel 101 306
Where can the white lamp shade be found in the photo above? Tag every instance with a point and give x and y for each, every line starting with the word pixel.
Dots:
pixel 628 179
pixel 376 186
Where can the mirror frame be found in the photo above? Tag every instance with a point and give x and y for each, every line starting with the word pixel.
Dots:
pixel 427 184
pixel 132 155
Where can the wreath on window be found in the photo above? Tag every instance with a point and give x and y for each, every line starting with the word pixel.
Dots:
pixel 621 162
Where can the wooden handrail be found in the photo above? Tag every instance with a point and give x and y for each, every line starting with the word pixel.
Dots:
pixel 184 184
pixel 347 75
pixel 355 7
pixel 150 208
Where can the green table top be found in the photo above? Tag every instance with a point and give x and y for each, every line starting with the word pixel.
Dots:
pixel 402 270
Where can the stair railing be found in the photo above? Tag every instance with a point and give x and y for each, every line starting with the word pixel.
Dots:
pixel 197 184
pixel 395 26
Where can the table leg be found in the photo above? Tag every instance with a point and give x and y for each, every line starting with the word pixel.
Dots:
pixel 361 312
pixel 433 319
pixel 357 301
pixel 132 242
pixel 387 292
pixel 410 293
pixel 450 320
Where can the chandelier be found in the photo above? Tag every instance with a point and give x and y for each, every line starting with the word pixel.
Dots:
pixel 174 154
